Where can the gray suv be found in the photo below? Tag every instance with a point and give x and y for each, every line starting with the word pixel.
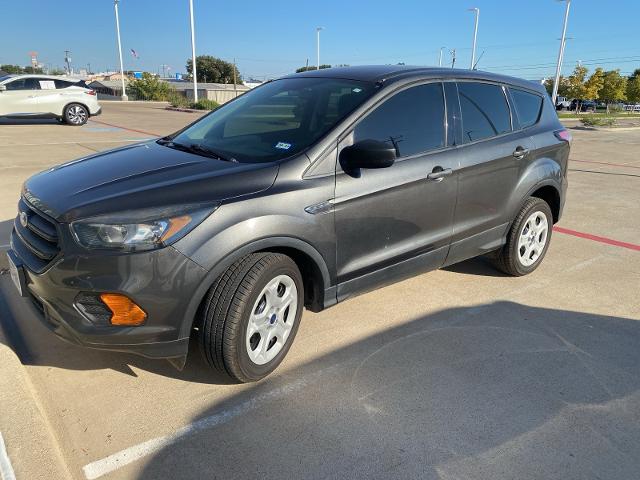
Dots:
pixel 299 194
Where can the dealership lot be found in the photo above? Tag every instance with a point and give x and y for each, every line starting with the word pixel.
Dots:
pixel 460 373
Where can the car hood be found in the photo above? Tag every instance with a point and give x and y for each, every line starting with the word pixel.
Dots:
pixel 141 176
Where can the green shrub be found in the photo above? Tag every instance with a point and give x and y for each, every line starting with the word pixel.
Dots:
pixel 598 121
pixel 205 104
pixel 149 87
pixel 178 100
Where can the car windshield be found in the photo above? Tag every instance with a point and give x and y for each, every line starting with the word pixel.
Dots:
pixel 4 77
pixel 277 120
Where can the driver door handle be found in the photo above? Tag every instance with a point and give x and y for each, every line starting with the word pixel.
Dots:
pixel 438 173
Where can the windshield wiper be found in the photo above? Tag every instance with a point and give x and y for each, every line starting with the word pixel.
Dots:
pixel 195 148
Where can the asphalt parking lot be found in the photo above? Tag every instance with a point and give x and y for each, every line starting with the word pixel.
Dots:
pixel 462 373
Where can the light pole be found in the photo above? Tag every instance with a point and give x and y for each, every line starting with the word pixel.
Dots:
pixel 554 95
pixel 193 54
pixel 475 36
pixel 440 58
pixel 124 97
pixel 318 46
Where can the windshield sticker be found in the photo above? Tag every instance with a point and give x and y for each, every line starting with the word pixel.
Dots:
pixel 283 145
pixel 356 90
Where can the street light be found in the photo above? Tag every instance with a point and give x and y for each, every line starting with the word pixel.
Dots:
pixel 124 97
pixel 193 54
pixel 440 58
pixel 563 41
pixel 475 36
pixel 318 45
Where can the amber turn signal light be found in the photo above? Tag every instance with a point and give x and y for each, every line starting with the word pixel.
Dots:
pixel 125 311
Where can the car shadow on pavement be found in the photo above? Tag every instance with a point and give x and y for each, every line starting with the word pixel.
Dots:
pixel 476 266
pixel 501 390
pixel 29 121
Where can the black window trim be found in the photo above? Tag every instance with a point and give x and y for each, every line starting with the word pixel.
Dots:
pixel 391 93
pixel 506 98
pixel 515 107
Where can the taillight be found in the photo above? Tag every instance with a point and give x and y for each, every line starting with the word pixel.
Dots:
pixel 90 92
pixel 563 135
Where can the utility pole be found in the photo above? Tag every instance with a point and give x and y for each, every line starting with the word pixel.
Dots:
pixel 554 95
pixel 193 54
pixel 318 45
pixel 235 88
pixel 440 57
pixel 67 61
pixel 453 58
pixel 475 36
pixel 123 97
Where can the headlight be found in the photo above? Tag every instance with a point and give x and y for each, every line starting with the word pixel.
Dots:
pixel 141 229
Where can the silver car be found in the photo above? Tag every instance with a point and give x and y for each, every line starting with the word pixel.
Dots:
pixel 45 96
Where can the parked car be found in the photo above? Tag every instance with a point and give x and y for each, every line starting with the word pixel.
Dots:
pixel 585 105
pixel 631 108
pixel 301 193
pixel 44 96
pixel 563 103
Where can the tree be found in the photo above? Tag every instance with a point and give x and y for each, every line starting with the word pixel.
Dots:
pixel 31 69
pixel 633 89
pixel 215 70
pixel 563 86
pixel 311 67
pixel 614 87
pixel 576 87
pixel 11 69
pixel 149 87
pixel 593 86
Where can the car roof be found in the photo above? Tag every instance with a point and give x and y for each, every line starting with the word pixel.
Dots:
pixel 389 73
pixel 47 77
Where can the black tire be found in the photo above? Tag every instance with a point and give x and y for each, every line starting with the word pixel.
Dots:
pixel 76 114
pixel 225 311
pixel 508 259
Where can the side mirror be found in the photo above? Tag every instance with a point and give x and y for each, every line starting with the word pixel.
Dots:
pixel 367 154
pixel 3 88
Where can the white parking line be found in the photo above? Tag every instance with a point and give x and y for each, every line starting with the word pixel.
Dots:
pixel 129 455
pixel 6 470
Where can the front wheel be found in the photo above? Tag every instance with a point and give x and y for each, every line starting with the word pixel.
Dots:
pixel 251 315
pixel 527 240
pixel 76 114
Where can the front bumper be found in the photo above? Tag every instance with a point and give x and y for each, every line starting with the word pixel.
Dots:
pixel 162 282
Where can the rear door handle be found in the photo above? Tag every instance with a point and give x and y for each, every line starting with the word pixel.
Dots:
pixel 438 173
pixel 520 152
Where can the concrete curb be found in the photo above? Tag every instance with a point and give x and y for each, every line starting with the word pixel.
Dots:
pixel 30 443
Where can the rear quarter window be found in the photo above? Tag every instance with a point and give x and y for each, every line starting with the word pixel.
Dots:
pixel 528 105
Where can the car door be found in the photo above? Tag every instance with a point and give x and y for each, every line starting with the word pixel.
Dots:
pixel 50 95
pixel 392 222
pixel 490 155
pixel 19 97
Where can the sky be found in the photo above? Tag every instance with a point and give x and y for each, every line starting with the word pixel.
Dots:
pixel 271 38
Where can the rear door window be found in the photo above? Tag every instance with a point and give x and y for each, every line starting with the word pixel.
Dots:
pixel 528 106
pixel 485 112
pixel 412 121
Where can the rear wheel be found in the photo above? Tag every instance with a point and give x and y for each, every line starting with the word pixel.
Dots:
pixel 528 239
pixel 76 114
pixel 251 315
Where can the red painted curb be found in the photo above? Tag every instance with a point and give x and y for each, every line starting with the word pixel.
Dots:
pixel 596 238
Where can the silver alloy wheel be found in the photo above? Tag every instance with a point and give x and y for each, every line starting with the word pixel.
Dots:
pixel 76 115
pixel 533 238
pixel 271 319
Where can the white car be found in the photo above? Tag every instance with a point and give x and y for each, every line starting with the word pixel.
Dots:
pixel 45 96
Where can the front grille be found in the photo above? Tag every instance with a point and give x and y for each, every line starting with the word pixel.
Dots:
pixel 37 242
